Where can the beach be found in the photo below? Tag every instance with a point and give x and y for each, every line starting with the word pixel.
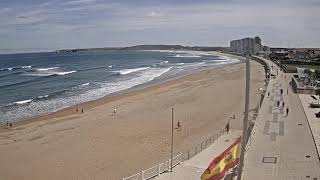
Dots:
pixel 97 145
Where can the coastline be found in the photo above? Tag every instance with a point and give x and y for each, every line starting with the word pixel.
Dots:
pixel 102 146
pixel 148 86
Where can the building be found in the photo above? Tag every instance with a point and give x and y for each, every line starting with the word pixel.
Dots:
pixel 247 45
pixel 280 54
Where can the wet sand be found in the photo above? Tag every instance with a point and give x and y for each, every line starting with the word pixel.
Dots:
pixel 97 145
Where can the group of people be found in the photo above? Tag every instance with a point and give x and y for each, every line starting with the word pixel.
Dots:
pixel 278 103
pixel 77 110
pixel 9 124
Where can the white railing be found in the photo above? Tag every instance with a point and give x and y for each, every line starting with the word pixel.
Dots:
pixel 157 169
pixel 151 172
pixel 133 177
pixel 165 166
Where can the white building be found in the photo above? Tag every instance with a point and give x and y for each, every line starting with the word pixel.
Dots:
pixel 246 45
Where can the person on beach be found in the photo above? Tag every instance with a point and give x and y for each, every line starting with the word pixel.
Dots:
pixel 179 125
pixel 281 91
pixel 283 104
pixel 77 110
pixel 278 103
pixel 10 125
pixel 228 127
pixel 287 111
pixel 268 93
pixel 7 124
pixel 82 110
pixel 114 111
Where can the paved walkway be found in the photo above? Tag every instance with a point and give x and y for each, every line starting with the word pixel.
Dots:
pixel 312 119
pixel 193 168
pixel 281 146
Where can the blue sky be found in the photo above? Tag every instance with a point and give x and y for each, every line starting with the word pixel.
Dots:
pixel 56 24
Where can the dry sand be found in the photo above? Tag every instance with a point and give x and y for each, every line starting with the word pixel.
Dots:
pixel 97 145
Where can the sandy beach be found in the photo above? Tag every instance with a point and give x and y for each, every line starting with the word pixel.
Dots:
pixel 97 145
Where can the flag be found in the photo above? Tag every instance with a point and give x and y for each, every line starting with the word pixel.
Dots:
pixel 225 161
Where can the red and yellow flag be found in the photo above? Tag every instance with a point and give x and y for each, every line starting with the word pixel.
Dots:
pixel 221 164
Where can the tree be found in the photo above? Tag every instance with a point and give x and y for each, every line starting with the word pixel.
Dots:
pixel 318 94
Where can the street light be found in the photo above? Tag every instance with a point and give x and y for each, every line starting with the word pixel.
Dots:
pixel 171 155
pixel 245 120
pixel 260 92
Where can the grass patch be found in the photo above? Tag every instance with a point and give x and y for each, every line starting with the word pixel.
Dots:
pixel 292 67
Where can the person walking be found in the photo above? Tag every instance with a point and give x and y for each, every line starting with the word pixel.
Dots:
pixel 283 105
pixel 114 111
pixel 268 93
pixel 228 127
pixel 281 91
pixel 287 111
pixel 278 103
pixel 179 125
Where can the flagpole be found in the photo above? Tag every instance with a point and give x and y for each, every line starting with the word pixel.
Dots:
pixel 171 139
pixel 245 121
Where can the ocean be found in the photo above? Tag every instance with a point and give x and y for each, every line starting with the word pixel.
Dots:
pixel 39 83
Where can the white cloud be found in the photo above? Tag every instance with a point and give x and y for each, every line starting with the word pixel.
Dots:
pixel 75 2
pixel 293 22
pixel 74 9
pixel 154 14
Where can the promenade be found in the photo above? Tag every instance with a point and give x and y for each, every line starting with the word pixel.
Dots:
pixel 312 119
pixel 281 146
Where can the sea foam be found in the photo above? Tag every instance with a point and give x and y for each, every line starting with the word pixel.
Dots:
pixel 128 71
pixel 47 69
pixel 23 102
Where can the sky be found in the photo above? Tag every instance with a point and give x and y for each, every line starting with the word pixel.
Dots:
pixel 40 25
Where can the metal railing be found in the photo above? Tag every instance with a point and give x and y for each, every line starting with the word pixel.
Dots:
pixel 165 166
pixel 191 152
pixel 156 170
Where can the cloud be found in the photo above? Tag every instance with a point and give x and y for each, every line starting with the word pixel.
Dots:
pixel 74 9
pixel 75 2
pixel 192 22
pixel 154 14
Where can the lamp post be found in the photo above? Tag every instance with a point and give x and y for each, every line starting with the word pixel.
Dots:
pixel 245 121
pixel 171 155
pixel 260 92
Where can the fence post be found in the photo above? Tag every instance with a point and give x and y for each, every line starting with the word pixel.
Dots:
pixel 142 175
